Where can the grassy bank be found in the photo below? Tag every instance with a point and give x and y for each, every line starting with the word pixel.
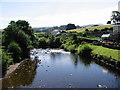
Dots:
pixel 99 50
pixel 110 53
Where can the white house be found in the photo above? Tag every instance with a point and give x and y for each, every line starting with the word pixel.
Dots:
pixel 56 31
pixel 105 36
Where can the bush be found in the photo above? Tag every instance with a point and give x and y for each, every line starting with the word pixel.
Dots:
pixel 15 51
pixel 6 61
pixel 86 30
pixel 84 35
pixel 42 42
pixel 84 50
pixel 95 30
pixel 71 48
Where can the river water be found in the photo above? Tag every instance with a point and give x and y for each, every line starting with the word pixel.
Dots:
pixel 60 69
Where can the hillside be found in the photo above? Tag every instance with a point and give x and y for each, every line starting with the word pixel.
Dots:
pixel 91 28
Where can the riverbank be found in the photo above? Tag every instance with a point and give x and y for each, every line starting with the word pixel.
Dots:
pixel 103 51
pixel 11 68
pixel 105 56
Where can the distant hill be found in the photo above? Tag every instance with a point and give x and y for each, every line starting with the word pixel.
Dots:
pixel 92 28
pixel 62 27
pixel 90 25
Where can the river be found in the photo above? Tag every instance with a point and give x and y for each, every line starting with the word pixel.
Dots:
pixel 60 69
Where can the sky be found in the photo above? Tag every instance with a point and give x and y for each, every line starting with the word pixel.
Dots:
pixel 46 13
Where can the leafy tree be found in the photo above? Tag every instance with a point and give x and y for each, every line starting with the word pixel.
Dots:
pixel 18 38
pixel 86 30
pixel 24 26
pixel 25 43
pixel 50 40
pixel 10 34
pixel 43 42
pixel 57 42
pixel 115 17
pixel 21 33
pixel 109 22
pixel 70 26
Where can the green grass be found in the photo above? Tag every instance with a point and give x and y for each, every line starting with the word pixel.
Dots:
pixel 39 33
pixel 90 38
pixel 91 28
pixel 114 54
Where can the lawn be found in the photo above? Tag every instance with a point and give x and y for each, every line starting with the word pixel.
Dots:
pixel 114 54
pixel 91 28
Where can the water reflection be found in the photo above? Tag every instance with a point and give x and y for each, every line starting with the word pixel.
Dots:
pixel 109 69
pixel 23 75
pixel 74 59
pixel 86 61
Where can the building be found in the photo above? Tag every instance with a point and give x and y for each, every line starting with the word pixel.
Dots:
pixel 105 36
pixel 116 29
pixel 119 6
pixel 56 32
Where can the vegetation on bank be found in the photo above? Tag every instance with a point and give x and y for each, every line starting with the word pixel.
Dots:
pixel 110 53
pixel 75 43
pixel 18 39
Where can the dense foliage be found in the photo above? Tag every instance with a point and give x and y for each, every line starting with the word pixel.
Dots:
pixel 6 61
pixel 84 50
pixel 115 16
pixel 70 26
pixel 18 39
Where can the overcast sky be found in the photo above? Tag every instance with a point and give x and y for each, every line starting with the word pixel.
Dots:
pixel 56 12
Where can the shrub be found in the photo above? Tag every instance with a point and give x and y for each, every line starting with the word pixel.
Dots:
pixel 84 35
pixel 71 48
pixel 95 30
pixel 86 30
pixel 15 51
pixel 42 42
pixel 6 61
pixel 84 50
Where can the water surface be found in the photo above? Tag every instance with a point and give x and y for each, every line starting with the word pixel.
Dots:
pixel 60 69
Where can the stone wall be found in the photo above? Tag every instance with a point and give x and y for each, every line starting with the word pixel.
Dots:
pixel 116 29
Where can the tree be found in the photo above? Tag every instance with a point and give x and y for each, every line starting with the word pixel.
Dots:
pixel 109 22
pixel 115 17
pixel 42 42
pixel 21 33
pixel 70 26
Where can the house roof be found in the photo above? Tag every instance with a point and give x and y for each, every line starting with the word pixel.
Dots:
pixel 105 35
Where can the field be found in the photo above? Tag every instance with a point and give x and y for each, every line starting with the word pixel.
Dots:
pixel 92 28
pixel 114 54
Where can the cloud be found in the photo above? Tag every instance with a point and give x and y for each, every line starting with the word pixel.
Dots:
pixel 64 16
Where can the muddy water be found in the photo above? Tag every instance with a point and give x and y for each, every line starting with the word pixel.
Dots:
pixel 60 69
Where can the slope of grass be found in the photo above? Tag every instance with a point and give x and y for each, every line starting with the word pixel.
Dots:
pixel 114 54
pixel 90 37
pixel 91 28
